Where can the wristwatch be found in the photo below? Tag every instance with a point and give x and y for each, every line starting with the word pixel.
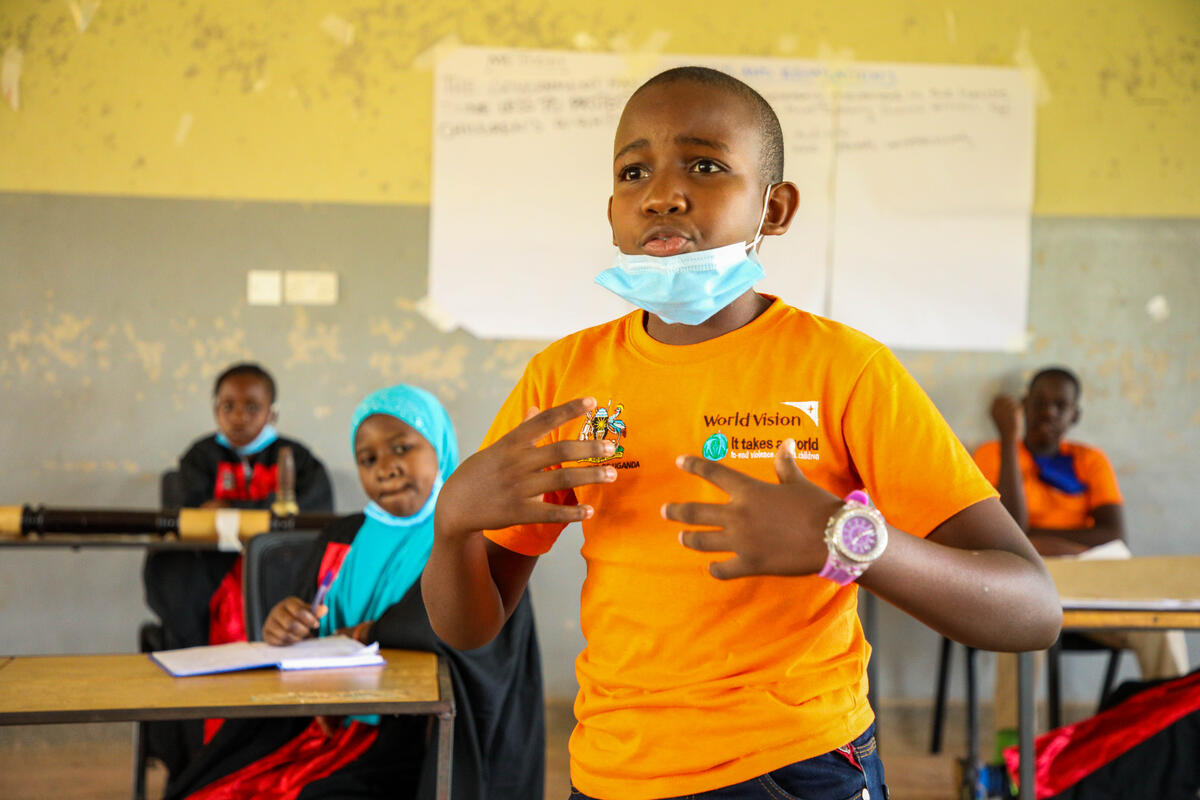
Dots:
pixel 856 536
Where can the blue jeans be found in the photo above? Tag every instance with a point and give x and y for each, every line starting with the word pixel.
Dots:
pixel 848 773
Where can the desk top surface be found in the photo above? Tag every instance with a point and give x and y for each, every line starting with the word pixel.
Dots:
pixel 94 688
pixel 1159 582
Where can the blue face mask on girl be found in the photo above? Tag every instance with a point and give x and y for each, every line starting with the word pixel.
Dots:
pixel 687 288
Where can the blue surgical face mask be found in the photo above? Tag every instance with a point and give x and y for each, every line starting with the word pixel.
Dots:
pixel 261 442
pixel 687 288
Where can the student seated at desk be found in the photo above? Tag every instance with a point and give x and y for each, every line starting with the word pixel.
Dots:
pixel 1064 495
pixel 405 448
pixel 724 656
pixel 197 594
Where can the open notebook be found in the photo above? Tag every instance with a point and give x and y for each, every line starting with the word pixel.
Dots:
pixel 324 653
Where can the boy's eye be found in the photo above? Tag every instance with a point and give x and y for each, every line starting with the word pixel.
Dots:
pixel 252 408
pixel 366 461
pixel 400 449
pixel 706 165
pixel 631 173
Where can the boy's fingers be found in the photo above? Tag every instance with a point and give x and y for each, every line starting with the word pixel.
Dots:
pixel 566 478
pixel 717 474
pixel 572 450
pixel 729 568
pixel 706 541
pixel 710 514
pixel 537 426
pixel 554 512
pixel 786 468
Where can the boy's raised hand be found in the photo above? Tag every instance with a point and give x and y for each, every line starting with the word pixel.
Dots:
pixel 503 484
pixel 771 528
pixel 290 621
pixel 1009 416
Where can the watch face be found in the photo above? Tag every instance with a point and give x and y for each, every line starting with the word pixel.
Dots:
pixel 859 536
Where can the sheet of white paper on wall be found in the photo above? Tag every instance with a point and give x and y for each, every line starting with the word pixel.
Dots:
pixel 310 287
pixel 264 287
pixel 915 186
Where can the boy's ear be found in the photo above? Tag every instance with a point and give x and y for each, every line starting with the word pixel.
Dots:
pixel 273 417
pixel 782 203
pixel 1076 417
pixel 610 227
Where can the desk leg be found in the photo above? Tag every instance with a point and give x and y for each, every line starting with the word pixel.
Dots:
pixel 870 626
pixel 445 733
pixel 1025 726
pixel 971 770
pixel 445 726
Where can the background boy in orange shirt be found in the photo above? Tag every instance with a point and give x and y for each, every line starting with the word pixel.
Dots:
pixel 693 683
pixel 1064 495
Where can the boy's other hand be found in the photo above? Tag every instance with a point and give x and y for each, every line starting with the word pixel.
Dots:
pixel 771 528
pixel 503 484
pixel 1009 417
pixel 290 621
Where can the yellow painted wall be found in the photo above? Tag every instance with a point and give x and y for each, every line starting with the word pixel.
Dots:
pixel 267 99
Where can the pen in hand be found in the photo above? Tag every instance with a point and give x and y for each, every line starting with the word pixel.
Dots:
pixel 322 590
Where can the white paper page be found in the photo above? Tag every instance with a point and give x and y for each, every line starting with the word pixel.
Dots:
pixel 521 180
pixel 934 191
pixel 210 659
pixel 365 655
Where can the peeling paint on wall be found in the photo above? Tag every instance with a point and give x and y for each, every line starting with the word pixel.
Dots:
pixel 394 333
pixel 443 370
pixel 312 343
pixel 150 354
pixel 507 360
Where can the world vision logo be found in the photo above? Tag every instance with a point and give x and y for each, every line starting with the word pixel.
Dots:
pixel 605 423
pixel 757 434
pixel 715 447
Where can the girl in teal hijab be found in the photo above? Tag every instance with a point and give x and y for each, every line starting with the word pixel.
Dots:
pixel 391 547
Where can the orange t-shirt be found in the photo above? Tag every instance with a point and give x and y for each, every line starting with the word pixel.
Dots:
pixel 1054 509
pixel 687 683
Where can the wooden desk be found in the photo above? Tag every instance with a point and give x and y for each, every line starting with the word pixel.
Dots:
pixel 1143 592
pixel 120 688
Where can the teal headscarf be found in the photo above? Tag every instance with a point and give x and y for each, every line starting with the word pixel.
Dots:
pixel 388 552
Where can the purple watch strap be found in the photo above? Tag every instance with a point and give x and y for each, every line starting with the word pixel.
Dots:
pixel 838 572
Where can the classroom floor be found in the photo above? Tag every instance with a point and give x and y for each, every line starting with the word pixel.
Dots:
pixel 92 762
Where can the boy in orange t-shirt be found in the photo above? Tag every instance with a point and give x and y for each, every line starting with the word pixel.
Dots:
pixel 1064 495
pixel 745 674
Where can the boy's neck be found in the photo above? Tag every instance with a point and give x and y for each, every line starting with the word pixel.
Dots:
pixel 1043 449
pixel 742 311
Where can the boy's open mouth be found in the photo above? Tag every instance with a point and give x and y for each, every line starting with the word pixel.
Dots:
pixel 665 242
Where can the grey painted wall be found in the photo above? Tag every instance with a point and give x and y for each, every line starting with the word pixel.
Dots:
pixel 117 313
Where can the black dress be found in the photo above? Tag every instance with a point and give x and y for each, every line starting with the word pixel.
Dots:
pixel 499 730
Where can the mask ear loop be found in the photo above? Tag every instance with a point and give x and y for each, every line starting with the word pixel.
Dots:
pixel 758 235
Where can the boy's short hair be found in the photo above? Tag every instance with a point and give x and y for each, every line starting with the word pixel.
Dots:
pixel 246 368
pixel 770 133
pixel 1058 372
